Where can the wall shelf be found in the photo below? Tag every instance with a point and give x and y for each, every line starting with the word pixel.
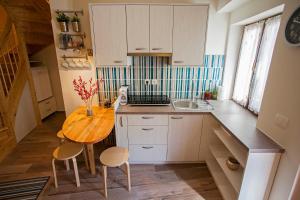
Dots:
pixel 69 11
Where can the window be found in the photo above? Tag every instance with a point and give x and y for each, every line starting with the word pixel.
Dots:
pixel 254 62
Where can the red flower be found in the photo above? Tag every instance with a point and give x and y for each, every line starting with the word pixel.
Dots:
pixel 84 91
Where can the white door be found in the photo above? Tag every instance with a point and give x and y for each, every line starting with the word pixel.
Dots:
pixel 189 34
pixel 138 28
pixel 184 137
pixel 121 131
pixel 109 34
pixel 161 27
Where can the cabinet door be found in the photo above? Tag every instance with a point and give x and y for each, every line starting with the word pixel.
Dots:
pixel 138 28
pixel 189 34
pixel 184 137
pixel 161 27
pixel 121 131
pixel 42 83
pixel 109 34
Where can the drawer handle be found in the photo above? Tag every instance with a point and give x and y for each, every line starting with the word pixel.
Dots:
pixel 140 49
pixel 48 102
pixel 147 117
pixel 178 61
pixel 147 129
pixel 176 117
pixel 155 49
pixel 118 61
pixel 147 147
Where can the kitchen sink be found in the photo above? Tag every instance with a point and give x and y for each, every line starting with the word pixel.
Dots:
pixel 198 105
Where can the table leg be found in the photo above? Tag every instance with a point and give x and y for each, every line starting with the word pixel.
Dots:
pixel 90 148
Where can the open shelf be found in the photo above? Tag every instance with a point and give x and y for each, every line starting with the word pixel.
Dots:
pixel 222 182
pixel 221 154
pixel 237 150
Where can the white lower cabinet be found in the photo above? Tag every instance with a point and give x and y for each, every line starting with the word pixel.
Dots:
pixel 148 134
pixel 147 153
pixel 121 131
pixel 184 137
pixel 47 107
pixel 160 138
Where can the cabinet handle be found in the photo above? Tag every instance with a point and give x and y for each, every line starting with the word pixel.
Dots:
pixel 147 117
pixel 176 117
pixel 147 129
pixel 178 61
pixel 155 49
pixel 147 147
pixel 121 121
pixel 118 61
pixel 140 49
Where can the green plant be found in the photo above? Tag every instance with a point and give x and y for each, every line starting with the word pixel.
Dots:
pixel 61 17
pixel 75 18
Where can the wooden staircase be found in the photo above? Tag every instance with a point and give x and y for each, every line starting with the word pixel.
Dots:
pixel 25 28
pixel 14 73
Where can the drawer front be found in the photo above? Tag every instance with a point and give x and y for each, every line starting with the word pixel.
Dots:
pixel 148 134
pixel 47 107
pixel 147 153
pixel 140 120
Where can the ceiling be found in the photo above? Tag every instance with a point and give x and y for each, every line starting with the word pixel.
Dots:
pixel 33 19
pixel 225 6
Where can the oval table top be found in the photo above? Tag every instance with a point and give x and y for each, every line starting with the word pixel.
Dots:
pixel 79 127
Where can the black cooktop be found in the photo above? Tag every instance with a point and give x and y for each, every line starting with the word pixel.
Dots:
pixel 148 100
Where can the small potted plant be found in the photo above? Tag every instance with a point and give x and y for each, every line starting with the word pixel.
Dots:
pixel 63 21
pixel 76 23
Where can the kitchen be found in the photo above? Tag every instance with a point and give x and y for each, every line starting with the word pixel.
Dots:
pixel 188 91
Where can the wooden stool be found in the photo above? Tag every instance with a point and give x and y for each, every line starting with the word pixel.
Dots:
pixel 61 136
pixel 114 157
pixel 65 152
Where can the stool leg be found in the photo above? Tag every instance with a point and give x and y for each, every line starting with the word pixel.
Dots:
pixel 54 172
pixel 67 165
pixel 76 172
pixel 128 175
pixel 86 158
pixel 104 179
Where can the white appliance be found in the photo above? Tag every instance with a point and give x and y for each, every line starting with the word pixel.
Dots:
pixel 123 93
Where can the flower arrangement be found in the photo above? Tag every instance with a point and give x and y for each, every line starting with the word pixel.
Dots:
pixel 86 90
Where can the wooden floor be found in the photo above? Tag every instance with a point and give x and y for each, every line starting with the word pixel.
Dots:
pixel 32 158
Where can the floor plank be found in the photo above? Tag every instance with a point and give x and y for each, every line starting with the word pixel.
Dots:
pixel 32 158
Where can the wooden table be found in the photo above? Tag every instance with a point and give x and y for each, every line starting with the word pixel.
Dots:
pixel 78 127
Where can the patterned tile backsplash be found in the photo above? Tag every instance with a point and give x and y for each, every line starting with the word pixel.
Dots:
pixel 181 82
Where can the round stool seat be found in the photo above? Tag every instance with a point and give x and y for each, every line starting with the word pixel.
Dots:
pixel 60 134
pixel 114 156
pixel 67 151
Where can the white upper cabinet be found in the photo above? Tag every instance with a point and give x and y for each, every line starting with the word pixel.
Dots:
pixel 137 28
pixel 161 27
pixel 189 34
pixel 109 34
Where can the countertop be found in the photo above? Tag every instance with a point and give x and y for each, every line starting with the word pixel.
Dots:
pixel 239 122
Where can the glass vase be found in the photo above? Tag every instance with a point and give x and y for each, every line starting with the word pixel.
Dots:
pixel 89 107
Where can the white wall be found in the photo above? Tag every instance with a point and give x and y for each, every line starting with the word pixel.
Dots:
pixel 25 117
pixel 71 99
pixel 282 96
pixel 48 57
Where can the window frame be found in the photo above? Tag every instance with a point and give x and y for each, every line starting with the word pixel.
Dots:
pixel 254 63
